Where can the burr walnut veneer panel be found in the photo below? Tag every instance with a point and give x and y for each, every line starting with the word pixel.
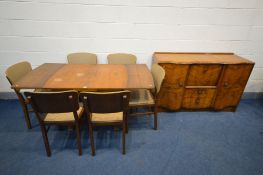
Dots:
pixel 202 81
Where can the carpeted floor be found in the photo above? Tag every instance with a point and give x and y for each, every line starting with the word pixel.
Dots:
pixel 186 143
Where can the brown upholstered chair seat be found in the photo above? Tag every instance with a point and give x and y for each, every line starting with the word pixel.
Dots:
pixel 107 117
pixel 62 117
pixel 141 97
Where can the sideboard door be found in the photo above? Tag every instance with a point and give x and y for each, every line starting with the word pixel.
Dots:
pixel 172 91
pixel 203 75
pixel 231 86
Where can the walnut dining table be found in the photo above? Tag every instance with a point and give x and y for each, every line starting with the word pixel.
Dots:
pixel 85 77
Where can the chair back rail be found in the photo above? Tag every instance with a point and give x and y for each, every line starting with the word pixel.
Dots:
pixel 53 102
pixel 106 102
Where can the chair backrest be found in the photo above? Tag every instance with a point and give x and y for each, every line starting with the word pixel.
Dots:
pixel 82 58
pixel 17 71
pixel 121 58
pixel 53 102
pixel 158 76
pixel 105 102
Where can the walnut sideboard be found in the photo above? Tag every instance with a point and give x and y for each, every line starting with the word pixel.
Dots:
pixel 202 81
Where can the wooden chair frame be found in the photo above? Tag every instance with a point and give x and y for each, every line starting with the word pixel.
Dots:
pixel 93 104
pixel 72 103
pixel 153 108
pixel 22 100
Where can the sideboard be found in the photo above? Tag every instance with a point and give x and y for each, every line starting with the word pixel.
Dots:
pixel 202 81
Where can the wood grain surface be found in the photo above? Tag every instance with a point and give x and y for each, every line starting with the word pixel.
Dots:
pixel 86 77
pixel 202 81
pixel 199 58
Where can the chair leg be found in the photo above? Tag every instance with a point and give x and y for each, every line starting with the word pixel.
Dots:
pixel 91 140
pixel 123 138
pixel 26 115
pixel 155 118
pixel 45 138
pixel 78 139
pixel 126 124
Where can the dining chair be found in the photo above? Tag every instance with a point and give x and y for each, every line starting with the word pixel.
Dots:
pixel 144 98
pixel 82 58
pixel 106 108
pixel 121 58
pixel 56 108
pixel 13 74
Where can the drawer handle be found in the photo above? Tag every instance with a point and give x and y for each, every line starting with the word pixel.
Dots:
pixel 226 84
pixel 200 91
pixel 181 84
pixel 197 101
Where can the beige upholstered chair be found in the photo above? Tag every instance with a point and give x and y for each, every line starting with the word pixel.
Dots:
pixel 13 74
pixel 82 58
pixel 106 108
pixel 144 98
pixel 121 58
pixel 56 108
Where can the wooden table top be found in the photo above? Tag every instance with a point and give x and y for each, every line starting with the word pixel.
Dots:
pixel 87 77
pixel 199 58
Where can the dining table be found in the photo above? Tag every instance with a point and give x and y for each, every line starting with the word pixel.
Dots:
pixel 85 77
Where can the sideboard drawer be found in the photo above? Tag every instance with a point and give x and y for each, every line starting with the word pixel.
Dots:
pixel 203 75
pixel 198 98
pixel 178 72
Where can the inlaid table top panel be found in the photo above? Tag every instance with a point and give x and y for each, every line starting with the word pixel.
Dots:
pixel 86 77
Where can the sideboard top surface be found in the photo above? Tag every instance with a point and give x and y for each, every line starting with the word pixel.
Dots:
pixel 199 58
